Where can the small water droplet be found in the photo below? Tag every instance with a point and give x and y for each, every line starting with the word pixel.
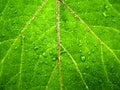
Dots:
pixel 50 52
pixel 46 62
pixel 95 45
pixel 84 73
pixel 83 58
pixel 41 62
pixel 36 48
pixel 23 37
pixel 87 67
pixel 53 65
pixel 89 53
pixel 3 35
pixel 37 57
pixel 93 51
pixel 44 55
pixel 80 44
pixel 80 51
pixel 106 7
pixel 15 12
pixel 104 14
pixel 54 59
pixel 87 42
pixel 93 60
pixel 16 47
pixel 100 80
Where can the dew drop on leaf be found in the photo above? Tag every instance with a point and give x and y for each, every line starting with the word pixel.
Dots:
pixel 41 62
pixel 54 59
pixel 36 48
pixel 16 47
pixel 87 42
pixel 93 60
pixel 87 67
pixel 93 51
pixel 50 52
pixel 80 44
pixel 80 51
pixel 89 53
pixel 46 62
pixel 44 55
pixel 104 14
pixel 95 45
pixel 53 65
pixel 3 35
pixel 83 58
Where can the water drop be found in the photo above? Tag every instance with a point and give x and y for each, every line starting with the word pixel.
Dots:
pixel 100 80
pixel 89 53
pixel 95 44
pixel 41 62
pixel 3 35
pixel 44 55
pixel 80 44
pixel 15 12
pixel 54 59
pixel 87 67
pixel 87 42
pixel 37 57
pixel 84 74
pixel 83 58
pixel 93 51
pixel 50 52
pixel 93 60
pixel 106 7
pixel 80 51
pixel 36 48
pixel 46 62
pixel 16 47
pixel 104 14
pixel 53 65
pixel 23 37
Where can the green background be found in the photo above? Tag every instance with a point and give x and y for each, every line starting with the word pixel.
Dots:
pixel 90 45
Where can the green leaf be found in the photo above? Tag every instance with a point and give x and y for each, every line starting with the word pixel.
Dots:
pixel 60 45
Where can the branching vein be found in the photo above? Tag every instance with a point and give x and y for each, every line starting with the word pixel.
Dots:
pixel 58 38
pixel 76 65
pixel 90 30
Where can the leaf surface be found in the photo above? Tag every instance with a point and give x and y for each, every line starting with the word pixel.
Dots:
pixel 59 45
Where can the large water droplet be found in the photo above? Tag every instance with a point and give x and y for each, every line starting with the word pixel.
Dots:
pixel 83 58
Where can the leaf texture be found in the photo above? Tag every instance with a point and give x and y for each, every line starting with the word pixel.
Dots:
pixel 60 45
